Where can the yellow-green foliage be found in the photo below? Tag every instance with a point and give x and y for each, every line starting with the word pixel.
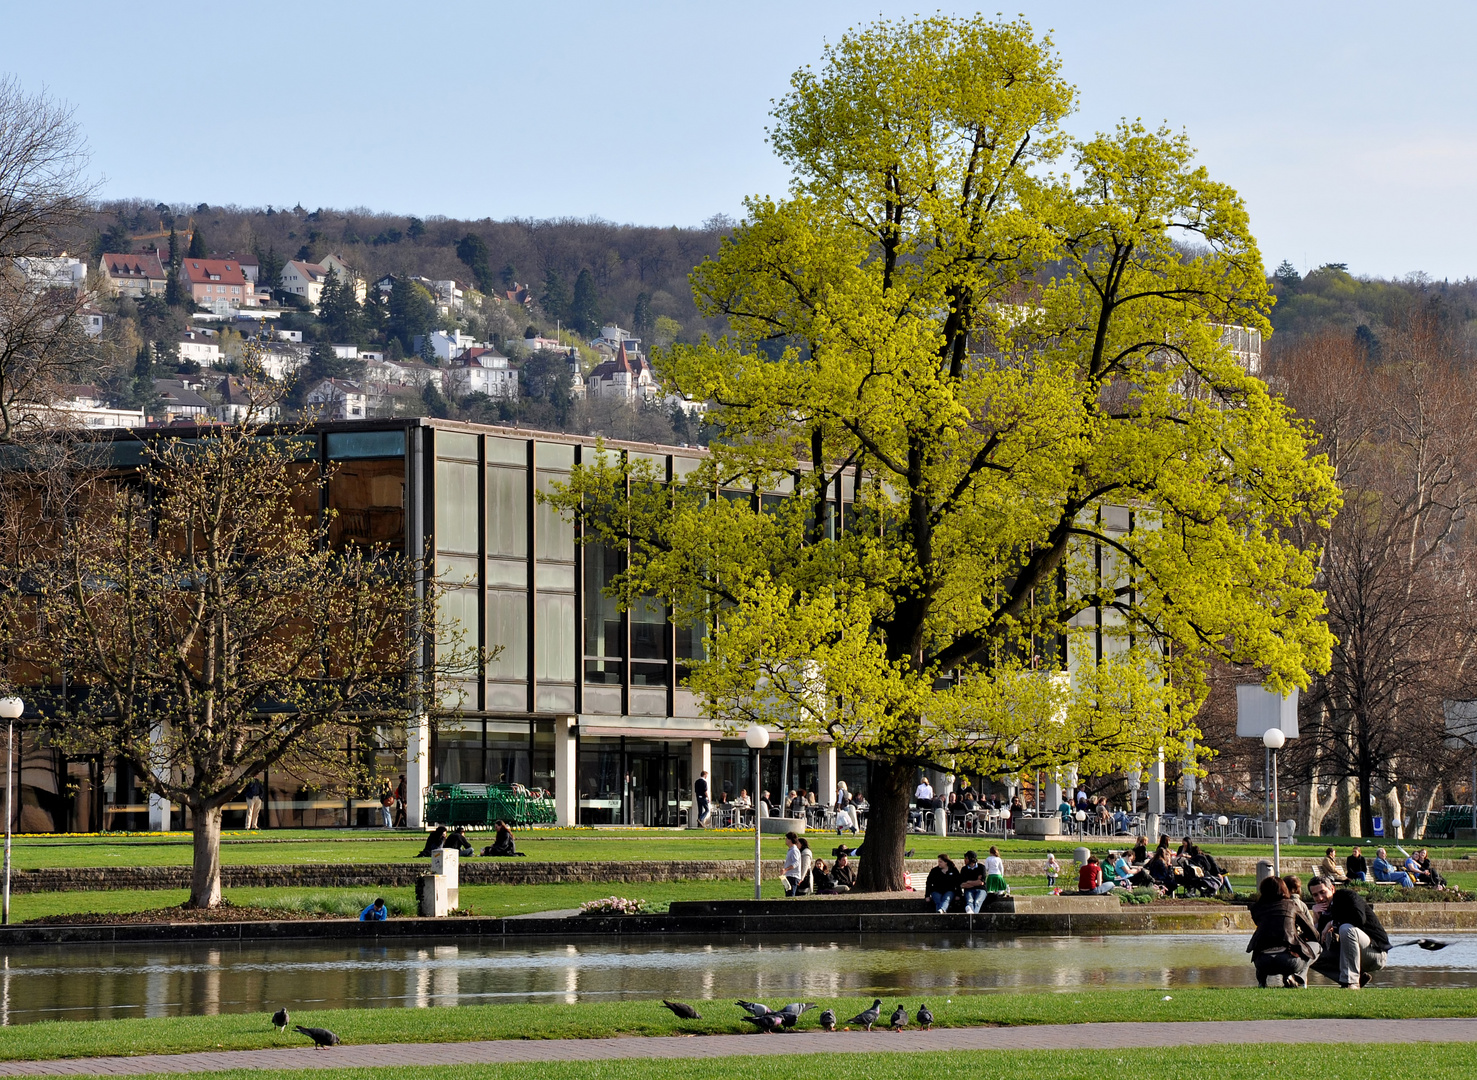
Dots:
pixel 1002 331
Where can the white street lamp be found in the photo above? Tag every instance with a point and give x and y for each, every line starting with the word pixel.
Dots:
pixel 1081 816
pixel 1223 821
pixel 757 738
pixel 1273 740
pixel 11 709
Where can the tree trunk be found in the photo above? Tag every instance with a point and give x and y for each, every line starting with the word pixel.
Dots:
pixel 1311 812
pixel 1394 815
pixel 882 868
pixel 1349 797
pixel 205 884
pixel 1366 803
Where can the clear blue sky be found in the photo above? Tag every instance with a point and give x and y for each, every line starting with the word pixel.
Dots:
pixel 1350 128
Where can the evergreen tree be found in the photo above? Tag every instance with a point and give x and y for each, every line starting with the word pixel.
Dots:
pixel 412 311
pixel 269 267
pixel 472 250
pixel 197 245
pixel 435 401
pixel 338 308
pixel 174 295
pixel 641 318
pixel 584 313
pixel 507 275
pixel 555 298
pixel 1287 277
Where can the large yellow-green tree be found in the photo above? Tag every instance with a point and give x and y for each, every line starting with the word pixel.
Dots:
pixel 978 333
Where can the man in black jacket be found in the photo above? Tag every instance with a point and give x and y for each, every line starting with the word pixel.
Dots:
pixel 1354 943
pixel 700 797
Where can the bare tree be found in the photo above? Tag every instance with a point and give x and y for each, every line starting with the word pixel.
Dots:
pixel 197 624
pixel 1398 562
pixel 44 195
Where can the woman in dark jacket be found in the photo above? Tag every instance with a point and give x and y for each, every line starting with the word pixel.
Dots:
pixel 433 842
pixel 1285 940
pixel 502 843
pixel 942 884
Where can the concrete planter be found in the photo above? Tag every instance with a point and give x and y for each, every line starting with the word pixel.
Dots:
pixel 1037 828
pixel 782 825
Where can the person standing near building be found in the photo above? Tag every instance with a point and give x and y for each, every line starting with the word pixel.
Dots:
pixel 400 803
pixel 700 799
pixel 387 805
pixel 253 795
pixel 923 800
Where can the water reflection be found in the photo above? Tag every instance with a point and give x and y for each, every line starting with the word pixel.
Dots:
pixel 97 982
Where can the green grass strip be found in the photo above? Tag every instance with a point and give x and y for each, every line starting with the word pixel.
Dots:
pixel 249 1031
pixel 1431 1061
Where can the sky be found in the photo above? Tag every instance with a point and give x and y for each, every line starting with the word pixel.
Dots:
pixel 1349 128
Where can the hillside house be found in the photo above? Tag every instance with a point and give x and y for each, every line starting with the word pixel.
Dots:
pixel 198 346
pixel 627 376
pixel 482 371
pixel 345 273
pixel 304 279
pixel 219 285
pixel 134 275
pixel 181 400
pixel 339 399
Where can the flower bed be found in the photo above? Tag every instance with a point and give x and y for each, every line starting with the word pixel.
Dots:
pixel 613 905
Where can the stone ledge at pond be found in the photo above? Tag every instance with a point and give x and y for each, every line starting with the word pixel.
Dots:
pixel 824 917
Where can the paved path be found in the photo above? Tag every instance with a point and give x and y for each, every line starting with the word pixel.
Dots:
pixel 1044 1037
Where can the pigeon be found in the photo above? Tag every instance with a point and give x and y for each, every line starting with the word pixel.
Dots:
pixel 900 1018
pixel 754 1008
pixel 321 1036
pixel 925 1017
pixel 768 1022
pixel 1429 944
pixel 828 1020
pixel 869 1017
pixel 279 1019
pixel 683 1010
pixel 793 1012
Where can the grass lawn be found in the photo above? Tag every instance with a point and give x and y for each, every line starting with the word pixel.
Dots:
pixel 1439 1061
pixel 608 1019
pixel 344 846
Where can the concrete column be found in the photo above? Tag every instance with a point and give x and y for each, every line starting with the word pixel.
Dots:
pixel 566 768
pixel 1156 799
pixel 1071 783
pixel 158 813
pixel 1053 793
pixel 702 762
pixel 826 775
pixel 941 817
pixel 417 770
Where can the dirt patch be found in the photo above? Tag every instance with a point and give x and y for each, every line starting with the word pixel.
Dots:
pixel 226 912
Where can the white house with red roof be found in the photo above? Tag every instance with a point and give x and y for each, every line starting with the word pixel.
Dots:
pixel 304 279
pixel 217 284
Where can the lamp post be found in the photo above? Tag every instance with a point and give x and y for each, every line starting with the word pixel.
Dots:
pixel 1081 816
pixel 11 709
pixel 758 738
pixel 1223 821
pixel 1273 740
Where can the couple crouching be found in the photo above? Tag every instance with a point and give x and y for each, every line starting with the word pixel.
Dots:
pixel 1346 943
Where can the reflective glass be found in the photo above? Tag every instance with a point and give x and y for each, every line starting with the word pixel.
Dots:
pixel 555 659
pixel 507 512
pixel 456 506
pixel 507 625
pixel 555 532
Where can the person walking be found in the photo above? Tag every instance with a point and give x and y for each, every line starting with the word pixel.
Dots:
pixel 387 805
pixel 253 795
pixel 700 799
pixel 791 873
pixel 400 803
pixel 1053 870
pixel 1355 945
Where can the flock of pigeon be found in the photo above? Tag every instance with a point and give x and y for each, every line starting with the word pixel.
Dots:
pixel 766 1019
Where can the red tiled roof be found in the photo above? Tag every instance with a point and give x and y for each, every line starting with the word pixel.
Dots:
pixel 200 271
pixel 145 266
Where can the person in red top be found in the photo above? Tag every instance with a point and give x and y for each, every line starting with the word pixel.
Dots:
pixel 1090 876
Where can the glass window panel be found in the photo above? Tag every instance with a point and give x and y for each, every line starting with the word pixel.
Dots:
pixel 506 451
pixel 510 696
pixel 554 531
pixel 365 444
pixel 681 466
pixel 367 497
pixel 690 646
pixel 506 572
pixel 555 455
pixel 456 506
pixel 456 571
pixel 507 625
pixel 602 614
pixel 648 630
pixel 456 444
pixel 559 576
pixel 502 731
pixel 456 614
pixel 507 512
pixel 558 699
pixel 555 659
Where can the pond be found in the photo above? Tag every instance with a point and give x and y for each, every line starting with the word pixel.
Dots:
pixel 77 982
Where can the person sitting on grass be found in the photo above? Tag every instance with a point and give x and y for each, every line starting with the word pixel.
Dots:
pixel 502 843
pixel 375 912
pixel 823 881
pixel 942 884
pixel 1090 879
pixel 1285 941
pixel 1161 873
pixel 457 841
pixel 843 874
pixel 1354 943
pixel 1122 872
pixel 433 842
pixel 1387 874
